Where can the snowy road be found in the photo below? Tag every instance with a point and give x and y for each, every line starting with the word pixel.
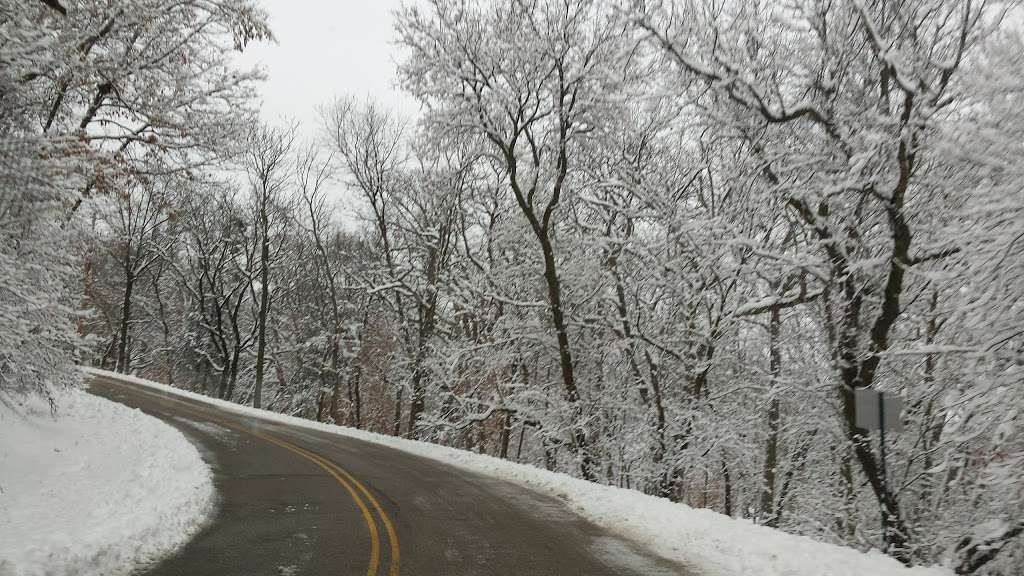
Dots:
pixel 298 501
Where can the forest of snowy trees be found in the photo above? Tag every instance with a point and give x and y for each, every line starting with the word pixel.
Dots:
pixel 657 245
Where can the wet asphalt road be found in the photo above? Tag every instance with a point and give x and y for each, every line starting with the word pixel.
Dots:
pixel 294 501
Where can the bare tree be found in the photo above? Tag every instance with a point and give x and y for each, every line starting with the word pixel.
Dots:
pixel 526 79
pixel 216 273
pixel 370 142
pixel 267 165
pixel 137 217
pixel 914 54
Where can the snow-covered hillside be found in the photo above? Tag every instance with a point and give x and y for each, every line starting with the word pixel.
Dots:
pixel 710 543
pixel 95 490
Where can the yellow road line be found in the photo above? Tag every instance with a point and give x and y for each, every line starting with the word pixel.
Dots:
pixel 371 525
pixel 388 527
pixel 340 475
pixel 393 567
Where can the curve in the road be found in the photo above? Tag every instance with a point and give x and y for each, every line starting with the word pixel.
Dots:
pixel 347 481
pixel 296 500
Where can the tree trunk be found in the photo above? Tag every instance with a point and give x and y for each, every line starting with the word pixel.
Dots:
pixel 933 424
pixel 397 421
pixel 541 230
pixel 417 402
pixel 799 458
pixel 123 364
pixel 848 519
pixel 109 352
pixel 282 380
pixel 233 373
pixel 261 335
pixel 519 445
pixel 321 399
pixel 727 497
pixel 356 398
pixel 335 382
pixel 572 395
pixel 169 357
pixel 428 314
pixel 504 434
pixel 772 445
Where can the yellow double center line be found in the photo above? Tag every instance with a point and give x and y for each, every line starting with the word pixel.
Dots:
pixel 348 481
pixel 354 487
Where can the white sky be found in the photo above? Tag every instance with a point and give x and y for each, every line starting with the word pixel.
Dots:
pixel 326 49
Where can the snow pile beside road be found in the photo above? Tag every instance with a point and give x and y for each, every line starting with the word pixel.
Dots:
pixel 711 544
pixel 96 490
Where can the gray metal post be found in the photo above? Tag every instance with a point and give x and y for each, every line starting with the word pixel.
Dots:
pixel 881 469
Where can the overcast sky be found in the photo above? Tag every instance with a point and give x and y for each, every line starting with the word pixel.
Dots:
pixel 327 49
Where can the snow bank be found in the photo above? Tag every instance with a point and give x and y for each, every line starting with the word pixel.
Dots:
pixel 96 490
pixel 711 544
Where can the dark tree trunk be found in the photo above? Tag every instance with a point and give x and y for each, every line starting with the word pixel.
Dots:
pixel 798 459
pixel 233 374
pixel 519 444
pixel 417 402
pixel 572 394
pixel 334 381
pixel 321 400
pixel 428 314
pixel 110 352
pixel 727 497
pixel 222 384
pixel 261 335
pixel 123 359
pixel 541 222
pixel 397 420
pixel 933 424
pixel 356 397
pixel 504 434
pixel 771 456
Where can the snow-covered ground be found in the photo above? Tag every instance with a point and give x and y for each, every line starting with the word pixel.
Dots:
pixel 711 544
pixel 96 490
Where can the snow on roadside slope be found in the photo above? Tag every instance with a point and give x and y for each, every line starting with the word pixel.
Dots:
pixel 97 490
pixel 711 544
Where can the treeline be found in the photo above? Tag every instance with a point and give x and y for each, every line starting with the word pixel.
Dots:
pixel 655 245
pixel 98 97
